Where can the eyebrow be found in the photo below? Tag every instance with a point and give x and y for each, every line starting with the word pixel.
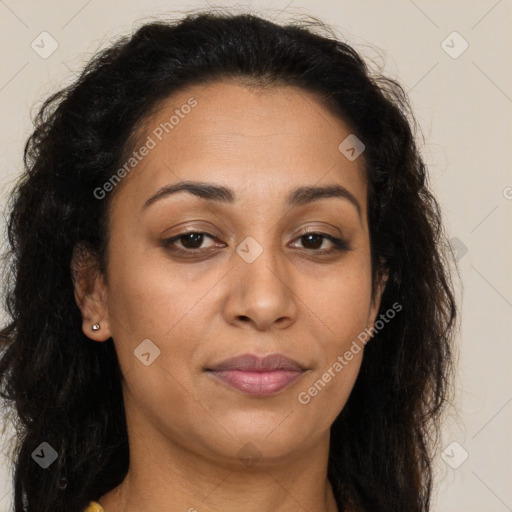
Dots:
pixel 220 193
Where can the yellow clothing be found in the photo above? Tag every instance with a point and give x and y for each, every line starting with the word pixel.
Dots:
pixel 94 507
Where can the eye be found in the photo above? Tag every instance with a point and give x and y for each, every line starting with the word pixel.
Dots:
pixel 313 241
pixel 190 241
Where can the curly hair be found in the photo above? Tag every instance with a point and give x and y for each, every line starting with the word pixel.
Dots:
pixel 67 391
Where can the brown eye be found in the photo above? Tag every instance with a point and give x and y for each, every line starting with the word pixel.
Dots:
pixel 188 242
pixel 314 241
pixel 192 240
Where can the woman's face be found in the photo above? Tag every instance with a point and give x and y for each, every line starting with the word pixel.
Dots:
pixel 253 283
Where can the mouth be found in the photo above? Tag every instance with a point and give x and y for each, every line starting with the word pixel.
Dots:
pixel 258 376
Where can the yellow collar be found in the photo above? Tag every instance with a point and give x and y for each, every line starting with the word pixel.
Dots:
pixel 94 507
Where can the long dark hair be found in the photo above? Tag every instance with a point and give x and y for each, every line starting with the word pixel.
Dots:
pixel 66 390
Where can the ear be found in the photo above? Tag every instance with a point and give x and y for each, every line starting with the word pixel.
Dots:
pixel 380 286
pixel 90 294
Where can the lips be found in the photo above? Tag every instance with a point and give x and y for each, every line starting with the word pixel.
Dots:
pixel 251 363
pixel 255 375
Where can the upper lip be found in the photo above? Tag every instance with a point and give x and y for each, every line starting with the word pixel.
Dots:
pixel 250 362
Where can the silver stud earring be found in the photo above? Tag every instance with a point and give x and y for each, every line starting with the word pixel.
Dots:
pixel 96 327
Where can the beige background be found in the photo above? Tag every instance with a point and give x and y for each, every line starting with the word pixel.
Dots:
pixel 464 107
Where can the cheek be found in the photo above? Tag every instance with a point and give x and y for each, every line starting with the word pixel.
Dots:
pixel 147 302
pixel 171 314
pixel 149 293
pixel 325 393
pixel 341 301
pixel 342 310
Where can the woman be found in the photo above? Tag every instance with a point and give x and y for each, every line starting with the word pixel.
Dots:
pixel 228 287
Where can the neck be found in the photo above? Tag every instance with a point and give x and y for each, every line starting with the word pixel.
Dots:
pixel 255 493
pixel 167 476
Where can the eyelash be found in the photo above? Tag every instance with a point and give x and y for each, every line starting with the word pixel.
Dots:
pixel 339 244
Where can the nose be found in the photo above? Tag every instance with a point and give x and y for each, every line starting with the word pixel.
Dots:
pixel 261 293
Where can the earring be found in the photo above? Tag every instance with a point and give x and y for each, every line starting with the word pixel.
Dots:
pixel 96 327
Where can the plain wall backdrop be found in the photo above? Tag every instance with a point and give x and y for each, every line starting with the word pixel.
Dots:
pixel 451 57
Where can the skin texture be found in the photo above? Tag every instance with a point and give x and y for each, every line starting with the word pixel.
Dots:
pixel 186 429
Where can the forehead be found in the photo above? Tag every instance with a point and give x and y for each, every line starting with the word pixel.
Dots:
pixel 261 142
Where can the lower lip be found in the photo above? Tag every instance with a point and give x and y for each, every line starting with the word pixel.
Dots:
pixel 257 383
